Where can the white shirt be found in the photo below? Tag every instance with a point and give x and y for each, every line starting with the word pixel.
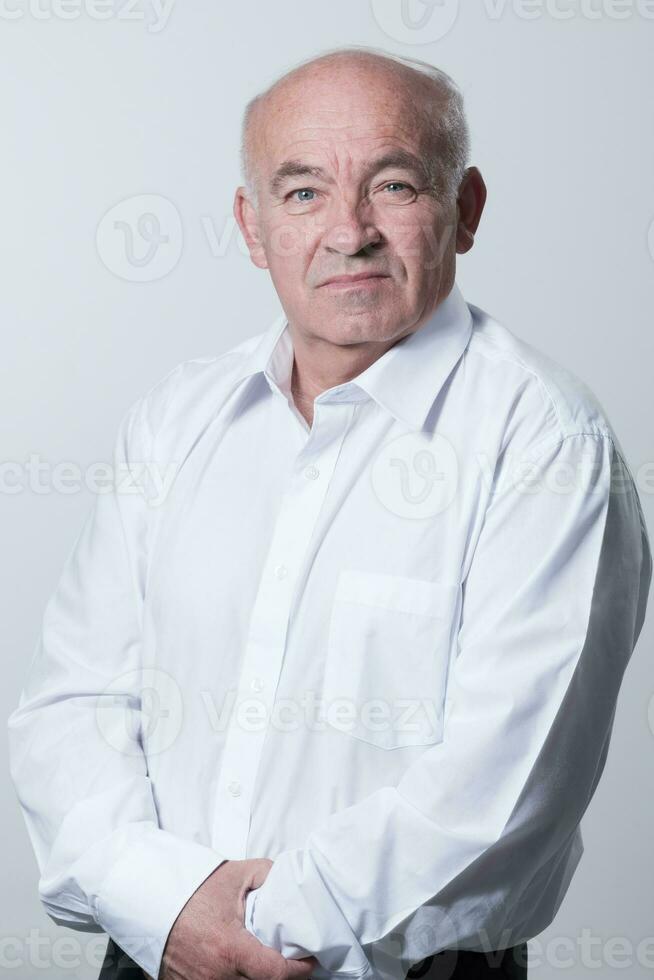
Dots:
pixel 437 564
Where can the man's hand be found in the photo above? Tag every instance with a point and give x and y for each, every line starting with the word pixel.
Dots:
pixel 209 941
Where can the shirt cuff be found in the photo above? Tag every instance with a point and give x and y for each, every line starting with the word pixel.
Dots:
pixel 292 902
pixel 147 888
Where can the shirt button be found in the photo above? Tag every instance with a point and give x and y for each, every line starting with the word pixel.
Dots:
pixel 257 684
pixel 234 788
pixel 312 472
pixel 281 571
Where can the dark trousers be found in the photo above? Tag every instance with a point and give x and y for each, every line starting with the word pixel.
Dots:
pixel 464 964
pixel 117 965
pixel 449 964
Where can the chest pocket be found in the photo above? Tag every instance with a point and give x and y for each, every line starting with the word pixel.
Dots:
pixel 387 658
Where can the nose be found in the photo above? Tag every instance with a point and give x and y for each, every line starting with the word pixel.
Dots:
pixel 350 228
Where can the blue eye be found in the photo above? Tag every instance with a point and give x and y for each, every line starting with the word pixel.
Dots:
pixel 396 183
pixel 303 190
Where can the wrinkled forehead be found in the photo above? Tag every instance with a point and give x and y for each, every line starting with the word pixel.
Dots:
pixel 345 115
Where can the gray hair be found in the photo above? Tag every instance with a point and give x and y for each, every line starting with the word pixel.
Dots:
pixel 446 121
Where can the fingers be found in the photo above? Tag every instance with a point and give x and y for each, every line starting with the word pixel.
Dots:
pixel 301 969
pixel 260 870
pixel 259 962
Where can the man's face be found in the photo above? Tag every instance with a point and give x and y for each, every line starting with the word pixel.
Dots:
pixel 369 209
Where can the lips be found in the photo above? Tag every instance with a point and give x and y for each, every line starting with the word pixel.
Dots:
pixel 347 280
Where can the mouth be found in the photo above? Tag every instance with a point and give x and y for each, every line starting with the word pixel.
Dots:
pixel 363 281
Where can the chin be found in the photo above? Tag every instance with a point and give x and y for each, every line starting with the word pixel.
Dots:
pixel 358 329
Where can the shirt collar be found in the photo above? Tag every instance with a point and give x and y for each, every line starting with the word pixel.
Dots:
pixel 404 381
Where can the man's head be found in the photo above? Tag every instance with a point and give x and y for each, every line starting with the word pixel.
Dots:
pixel 355 163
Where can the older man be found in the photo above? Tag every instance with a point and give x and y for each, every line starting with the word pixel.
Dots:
pixel 381 618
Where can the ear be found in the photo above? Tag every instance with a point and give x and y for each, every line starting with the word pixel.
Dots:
pixel 248 221
pixel 469 206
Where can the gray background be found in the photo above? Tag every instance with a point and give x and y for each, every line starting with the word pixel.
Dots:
pixel 97 112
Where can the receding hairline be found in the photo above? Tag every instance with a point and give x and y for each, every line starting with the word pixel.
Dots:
pixel 437 88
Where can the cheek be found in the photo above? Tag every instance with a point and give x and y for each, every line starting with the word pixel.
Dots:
pixel 426 247
pixel 407 236
pixel 288 243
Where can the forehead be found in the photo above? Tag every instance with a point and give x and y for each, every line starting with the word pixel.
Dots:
pixel 348 116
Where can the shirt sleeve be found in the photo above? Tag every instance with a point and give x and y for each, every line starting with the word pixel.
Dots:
pixel 552 605
pixel 76 736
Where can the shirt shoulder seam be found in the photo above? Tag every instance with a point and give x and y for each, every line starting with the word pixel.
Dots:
pixel 139 405
pixel 545 445
pixel 497 354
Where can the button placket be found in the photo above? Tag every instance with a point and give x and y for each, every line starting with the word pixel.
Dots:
pixel 264 652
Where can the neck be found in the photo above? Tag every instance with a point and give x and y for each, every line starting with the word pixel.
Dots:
pixel 302 399
pixel 319 365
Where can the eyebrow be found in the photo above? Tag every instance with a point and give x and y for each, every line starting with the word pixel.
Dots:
pixel 401 159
